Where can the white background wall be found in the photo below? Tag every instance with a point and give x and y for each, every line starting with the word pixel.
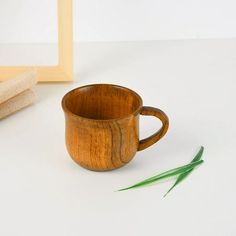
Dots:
pixel 119 20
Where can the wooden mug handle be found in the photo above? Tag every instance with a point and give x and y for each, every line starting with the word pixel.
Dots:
pixel 152 111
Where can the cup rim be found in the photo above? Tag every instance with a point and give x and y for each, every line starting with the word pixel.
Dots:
pixel 69 112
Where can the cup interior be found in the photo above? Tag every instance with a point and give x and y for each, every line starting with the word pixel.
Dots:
pixel 102 102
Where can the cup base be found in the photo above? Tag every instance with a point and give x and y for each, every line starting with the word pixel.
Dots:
pixel 100 169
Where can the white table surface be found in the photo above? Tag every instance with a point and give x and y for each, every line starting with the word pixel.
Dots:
pixel 43 192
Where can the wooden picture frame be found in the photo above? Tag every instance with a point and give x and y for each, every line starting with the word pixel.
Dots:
pixel 64 70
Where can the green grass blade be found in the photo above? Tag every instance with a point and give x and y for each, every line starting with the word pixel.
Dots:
pixel 187 173
pixel 164 175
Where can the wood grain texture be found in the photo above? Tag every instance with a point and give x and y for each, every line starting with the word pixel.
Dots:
pixel 17 103
pixel 14 86
pixel 102 125
pixel 64 70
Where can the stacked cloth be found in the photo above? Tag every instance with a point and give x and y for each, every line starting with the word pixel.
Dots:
pixel 17 93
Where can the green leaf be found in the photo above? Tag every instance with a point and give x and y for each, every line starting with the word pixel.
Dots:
pixel 187 173
pixel 164 175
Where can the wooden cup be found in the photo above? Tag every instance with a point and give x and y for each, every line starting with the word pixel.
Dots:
pixel 102 125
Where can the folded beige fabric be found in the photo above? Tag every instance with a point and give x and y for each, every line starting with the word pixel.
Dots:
pixel 16 103
pixel 12 87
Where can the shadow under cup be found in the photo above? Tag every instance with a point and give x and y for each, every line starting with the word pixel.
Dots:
pixel 102 125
